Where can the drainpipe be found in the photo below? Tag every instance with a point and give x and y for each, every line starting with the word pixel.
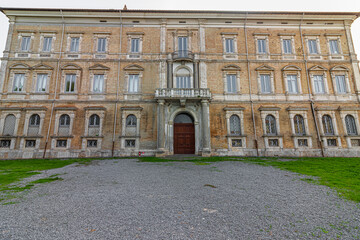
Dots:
pixel 117 87
pixel 56 82
pixel 308 85
pixel 249 78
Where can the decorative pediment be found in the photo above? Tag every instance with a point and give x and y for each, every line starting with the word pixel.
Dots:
pixel 339 68
pixel 99 67
pixel 264 68
pixel 317 68
pixel 42 67
pixel 291 68
pixel 71 66
pixel 20 66
pixel 134 67
pixel 231 68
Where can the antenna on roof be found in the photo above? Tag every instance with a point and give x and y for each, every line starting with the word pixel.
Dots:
pixel 125 7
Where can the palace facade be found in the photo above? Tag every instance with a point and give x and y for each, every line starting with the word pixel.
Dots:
pixel 88 83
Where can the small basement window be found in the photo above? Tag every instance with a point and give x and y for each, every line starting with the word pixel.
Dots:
pixel 129 143
pixel 92 143
pixel 30 143
pixel 61 143
pixel 5 143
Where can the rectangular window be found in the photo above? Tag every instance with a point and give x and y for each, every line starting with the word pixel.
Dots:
pixel 41 82
pixel 265 83
pixel 70 80
pixel 101 47
pixel 355 142
pixel 98 83
pixel 236 143
pixel 74 44
pixel 312 46
pixel 183 46
pixel 302 142
pixel 30 143
pixel 273 142
pixel 292 83
pixel 47 44
pixel 133 83
pixel 25 44
pixel 261 46
pixel 5 143
pixel 129 143
pixel 135 45
pixel 319 84
pixel 287 46
pixel 340 83
pixel 183 82
pixel 19 79
pixel 334 47
pixel 331 142
pixel 61 143
pixel 92 143
pixel 229 45
pixel 231 83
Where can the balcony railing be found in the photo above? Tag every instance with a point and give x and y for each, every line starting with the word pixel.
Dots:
pixel 183 93
pixel 183 55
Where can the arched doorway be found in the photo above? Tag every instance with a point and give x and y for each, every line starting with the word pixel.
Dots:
pixel 184 134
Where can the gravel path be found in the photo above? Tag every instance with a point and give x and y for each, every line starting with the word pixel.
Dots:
pixel 125 199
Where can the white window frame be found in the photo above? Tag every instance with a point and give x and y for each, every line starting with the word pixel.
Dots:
pixel 130 36
pixel 274 111
pixel 240 113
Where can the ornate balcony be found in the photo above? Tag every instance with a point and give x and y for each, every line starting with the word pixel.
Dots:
pixel 183 56
pixel 183 93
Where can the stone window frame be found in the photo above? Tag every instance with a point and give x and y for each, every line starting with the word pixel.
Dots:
pixel 288 36
pixel 191 75
pixel 318 70
pixel 332 113
pixel 18 68
pixel 265 70
pixel 101 70
pixel 340 70
pixel 71 111
pixel 25 33
pixel 44 34
pixel 238 111
pixel 96 36
pixel 126 111
pixel 89 111
pixel 292 70
pixel 337 37
pixel 70 69
pixel 41 111
pixel 41 69
pixel 231 70
pixel 316 37
pixel 130 70
pixel 293 111
pixel 353 111
pixel 274 111
pixel 131 35
pixel 233 36
pixel 182 33
pixel 264 36
pixel 4 113
pixel 70 35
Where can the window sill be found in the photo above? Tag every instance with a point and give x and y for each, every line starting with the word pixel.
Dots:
pixel 65 136
pixel 35 136
pixel 87 136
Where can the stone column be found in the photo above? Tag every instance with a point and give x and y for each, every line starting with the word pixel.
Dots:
pixel 205 128
pixel 161 127
pixel 169 74
pixel 196 74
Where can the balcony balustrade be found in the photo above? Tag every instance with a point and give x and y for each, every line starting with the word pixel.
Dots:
pixel 183 93
pixel 183 55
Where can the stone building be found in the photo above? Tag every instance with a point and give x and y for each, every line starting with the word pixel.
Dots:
pixel 81 83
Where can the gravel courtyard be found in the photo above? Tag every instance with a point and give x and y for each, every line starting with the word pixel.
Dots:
pixel 127 199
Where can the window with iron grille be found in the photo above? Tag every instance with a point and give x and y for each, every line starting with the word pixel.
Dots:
pixel 236 143
pixel 9 126
pixel 331 142
pixel 129 143
pixel 350 125
pixel 92 143
pixel 355 142
pixel 131 121
pixel 299 125
pixel 327 125
pixel 34 125
pixel 235 128
pixel 61 143
pixel 64 125
pixel 270 124
pixel 302 142
pixel 273 142
pixel 30 143
pixel 5 143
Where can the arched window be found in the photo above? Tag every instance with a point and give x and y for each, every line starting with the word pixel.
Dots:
pixel 94 121
pixel 34 124
pixel 235 128
pixel 64 125
pixel 350 125
pixel 183 78
pixel 9 126
pixel 327 125
pixel 299 125
pixel 131 121
pixel 183 118
pixel 270 123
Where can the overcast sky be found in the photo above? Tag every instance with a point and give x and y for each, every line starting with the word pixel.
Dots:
pixel 260 5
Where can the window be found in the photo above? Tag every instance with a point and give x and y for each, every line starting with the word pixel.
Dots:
pixel 340 83
pixel 133 83
pixel 327 125
pixel 30 143
pixel 25 44
pixel 350 125
pixel 129 143
pixel 94 121
pixel 61 143
pixel 19 80
pixel 74 44
pixel 261 46
pixel 292 83
pixel 183 46
pixel 47 44
pixel 98 83
pixel 231 83
pixel 5 143
pixel 9 125
pixel 265 83
pixel 319 84
pixel 183 79
pixel 270 124
pixel 303 142
pixel 355 142
pixel 70 80
pixel 34 125
pixel 101 45
pixel 331 142
pixel 229 45
pixel 334 47
pixel 41 82
pixel 92 143
pixel 131 121
pixel 236 143
pixel 235 128
pixel 135 45
pixel 273 142
pixel 287 47
pixel 299 125
pixel 312 45
pixel 64 125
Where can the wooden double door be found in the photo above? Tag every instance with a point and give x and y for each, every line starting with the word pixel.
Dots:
pixel 184 138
